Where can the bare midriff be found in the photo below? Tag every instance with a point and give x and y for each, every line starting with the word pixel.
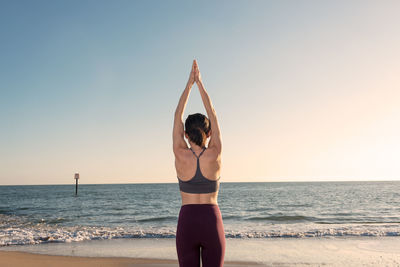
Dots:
pixel 209 198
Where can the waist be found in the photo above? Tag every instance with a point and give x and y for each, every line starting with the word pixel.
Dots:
pixel 199 199
pixel 200 205
pixel 211 203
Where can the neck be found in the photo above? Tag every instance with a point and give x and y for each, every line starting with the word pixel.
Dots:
pixel 196 147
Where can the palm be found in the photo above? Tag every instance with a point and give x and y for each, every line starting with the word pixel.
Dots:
pixel 192 75
pixel 197 75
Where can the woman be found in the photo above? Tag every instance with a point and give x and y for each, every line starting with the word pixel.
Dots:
pixel 200 229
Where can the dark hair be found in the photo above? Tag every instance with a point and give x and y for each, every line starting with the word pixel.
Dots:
pixel 197 126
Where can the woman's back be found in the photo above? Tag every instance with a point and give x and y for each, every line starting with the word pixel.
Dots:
pixel 189 174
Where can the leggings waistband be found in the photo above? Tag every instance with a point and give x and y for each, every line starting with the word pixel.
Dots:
pixel 199 206
pixel 208 204
pixel 198 209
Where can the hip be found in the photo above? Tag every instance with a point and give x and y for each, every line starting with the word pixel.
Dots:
pixel 200 214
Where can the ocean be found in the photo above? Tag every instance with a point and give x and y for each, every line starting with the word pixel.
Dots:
pixel 302 210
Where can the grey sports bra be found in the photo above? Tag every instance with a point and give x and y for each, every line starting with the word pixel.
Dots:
pixel 198 184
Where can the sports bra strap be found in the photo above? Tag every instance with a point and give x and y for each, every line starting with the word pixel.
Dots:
pixel 201 153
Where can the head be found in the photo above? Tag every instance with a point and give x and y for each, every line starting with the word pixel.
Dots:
pixel 197 129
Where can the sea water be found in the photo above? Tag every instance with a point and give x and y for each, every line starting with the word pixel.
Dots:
pixel 52 213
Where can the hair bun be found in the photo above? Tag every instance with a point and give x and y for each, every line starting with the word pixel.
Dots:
pixel 197 127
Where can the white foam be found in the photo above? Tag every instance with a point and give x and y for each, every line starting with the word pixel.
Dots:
pixel 16 230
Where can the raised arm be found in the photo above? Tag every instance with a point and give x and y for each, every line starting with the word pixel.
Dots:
pixel 215 139
pixel 178 131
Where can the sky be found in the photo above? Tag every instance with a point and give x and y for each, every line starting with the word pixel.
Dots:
pixel 303 90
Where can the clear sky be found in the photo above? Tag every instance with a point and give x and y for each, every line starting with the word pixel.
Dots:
pixel 304 90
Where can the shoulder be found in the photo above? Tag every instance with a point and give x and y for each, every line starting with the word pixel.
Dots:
pixel 212 153
pixel 182 153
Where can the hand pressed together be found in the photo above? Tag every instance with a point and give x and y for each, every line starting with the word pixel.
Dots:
pixel 195 75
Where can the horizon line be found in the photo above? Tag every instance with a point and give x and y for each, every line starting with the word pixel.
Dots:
pixel 254 182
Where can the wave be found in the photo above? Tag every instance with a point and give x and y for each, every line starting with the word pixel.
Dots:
pixel 39 235
pixel 158 219
pixel 281 218
pixel 294 205
pixel 342 214
pixel 17 230
pixel 316 233
pixel 259 209
pixel 231 217
pixel 54 221
pixel 356 222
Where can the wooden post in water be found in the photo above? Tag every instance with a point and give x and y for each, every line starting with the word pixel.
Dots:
pixel 76 179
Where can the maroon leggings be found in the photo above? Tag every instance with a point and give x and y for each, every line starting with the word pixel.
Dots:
pixel 200 227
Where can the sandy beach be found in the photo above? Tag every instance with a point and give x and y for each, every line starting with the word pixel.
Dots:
pixel 11 258
pixel 360 251
pixel 20 259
